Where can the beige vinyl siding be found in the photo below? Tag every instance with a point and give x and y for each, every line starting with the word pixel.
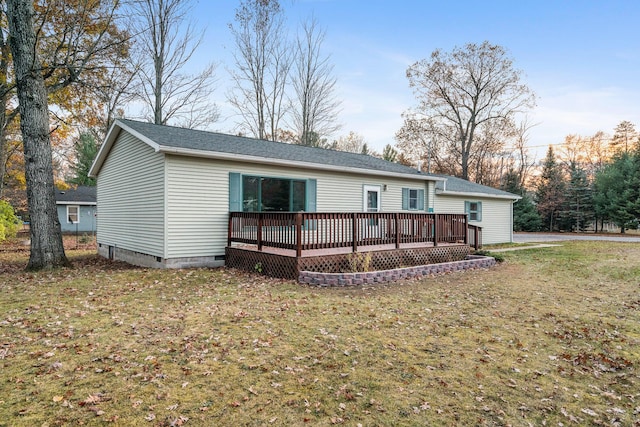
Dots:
pixel 496 215
pixel 198 198
pixel 197 207
pixel 131 197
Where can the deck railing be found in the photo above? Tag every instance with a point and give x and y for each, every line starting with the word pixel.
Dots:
pixel 302 231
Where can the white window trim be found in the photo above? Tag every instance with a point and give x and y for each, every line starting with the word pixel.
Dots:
pixel 77 214
pixel 365 191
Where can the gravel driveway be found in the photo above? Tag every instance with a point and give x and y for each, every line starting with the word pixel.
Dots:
pixel 558 237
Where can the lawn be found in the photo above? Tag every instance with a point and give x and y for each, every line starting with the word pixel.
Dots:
pixel 549 337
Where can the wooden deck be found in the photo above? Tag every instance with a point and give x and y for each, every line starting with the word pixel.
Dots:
pixel 284 244
pixel 310 231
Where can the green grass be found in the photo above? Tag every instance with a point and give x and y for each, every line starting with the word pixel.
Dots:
pixel 550 336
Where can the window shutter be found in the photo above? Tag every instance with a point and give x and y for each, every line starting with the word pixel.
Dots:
pixel 421 200
pixel 405 199
pixel 479 211
pixel 311 195
pixel 467 208
pixel 235 192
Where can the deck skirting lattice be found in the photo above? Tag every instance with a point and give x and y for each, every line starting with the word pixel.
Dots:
pixel 289 267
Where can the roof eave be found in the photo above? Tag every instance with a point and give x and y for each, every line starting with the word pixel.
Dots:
pixel 282 162
pixel 473 194
pixel 66 202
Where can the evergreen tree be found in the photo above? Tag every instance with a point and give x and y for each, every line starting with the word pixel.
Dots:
pixel 525 214
pixel 86 150
pixel 549 195
pixel 617 191
pixel 578 208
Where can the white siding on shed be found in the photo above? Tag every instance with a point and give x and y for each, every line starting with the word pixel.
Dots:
pixel 496 215
pixel 131 197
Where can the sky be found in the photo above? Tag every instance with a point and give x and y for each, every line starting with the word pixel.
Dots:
pixel 581 58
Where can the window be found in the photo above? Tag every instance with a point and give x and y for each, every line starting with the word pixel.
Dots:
pixel 474 209
pixel 73 214
pixel 412 199
pixel 265 194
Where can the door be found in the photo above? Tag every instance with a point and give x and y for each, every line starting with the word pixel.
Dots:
pixel 371 198
pixel 371 202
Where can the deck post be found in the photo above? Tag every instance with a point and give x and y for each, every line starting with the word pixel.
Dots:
pixel 436 225
pixel 229 230
pixel 298 234
pixel 259 232
pixel 354 229
pixel 397 216
pixel 466 229
pixel 476 242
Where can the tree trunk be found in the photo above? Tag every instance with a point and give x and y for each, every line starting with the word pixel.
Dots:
pixel 47 250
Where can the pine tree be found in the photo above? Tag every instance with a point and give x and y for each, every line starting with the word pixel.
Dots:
pixel 617 191
pixel 86 150
pixel 549 195
pixel 525 214
pixel 578 209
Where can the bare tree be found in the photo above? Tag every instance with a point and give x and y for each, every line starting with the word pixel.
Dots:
pixel 47 250
pixel 624 137
pixel 168 41
pixel 467 92
pixel 262 64
pixel 315 108
pixel 352 143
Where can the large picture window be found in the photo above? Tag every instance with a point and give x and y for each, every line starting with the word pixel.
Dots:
pixel 265 194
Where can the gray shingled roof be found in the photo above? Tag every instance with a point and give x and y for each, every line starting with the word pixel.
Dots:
pixel 169 136
pixel 80 195
pixel 459 185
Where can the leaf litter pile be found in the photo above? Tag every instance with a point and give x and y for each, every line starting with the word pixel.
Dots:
pixel 549 337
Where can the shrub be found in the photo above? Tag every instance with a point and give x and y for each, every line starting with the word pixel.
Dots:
pixel 9 222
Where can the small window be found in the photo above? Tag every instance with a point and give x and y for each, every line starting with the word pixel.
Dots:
pixel 73 214
pixel 412 199
pixel 474 209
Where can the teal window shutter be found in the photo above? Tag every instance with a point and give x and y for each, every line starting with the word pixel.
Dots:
pixel 421 200
pixel 466 207
pixel 405 199
pixel 479 213
pixel 311 195
pixel 235 192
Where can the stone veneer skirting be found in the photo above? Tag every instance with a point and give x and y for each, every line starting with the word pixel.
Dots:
pixel 384 276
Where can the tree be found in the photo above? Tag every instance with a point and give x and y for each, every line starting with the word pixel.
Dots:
pixel 525 214
pixel 549 195
pixel 262 61
pixel 168 41
pixel 617 191
pixel 314 107
pixel 47 250
pixel 389 153
pixel 352 143
pixel 85 150
pixel 578 210
pixel 8 221
pixel 466 93
pixel 624 137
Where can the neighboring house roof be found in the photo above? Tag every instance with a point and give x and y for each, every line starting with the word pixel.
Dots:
pixel 81 195
pixel 453 186
pixel 174 140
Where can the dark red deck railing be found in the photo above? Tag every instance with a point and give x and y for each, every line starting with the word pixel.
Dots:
pixel 302 231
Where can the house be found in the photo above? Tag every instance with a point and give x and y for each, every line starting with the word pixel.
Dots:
pixel 77 209
pixel 165 193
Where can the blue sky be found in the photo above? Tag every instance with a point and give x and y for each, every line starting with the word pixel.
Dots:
pixel 581 58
